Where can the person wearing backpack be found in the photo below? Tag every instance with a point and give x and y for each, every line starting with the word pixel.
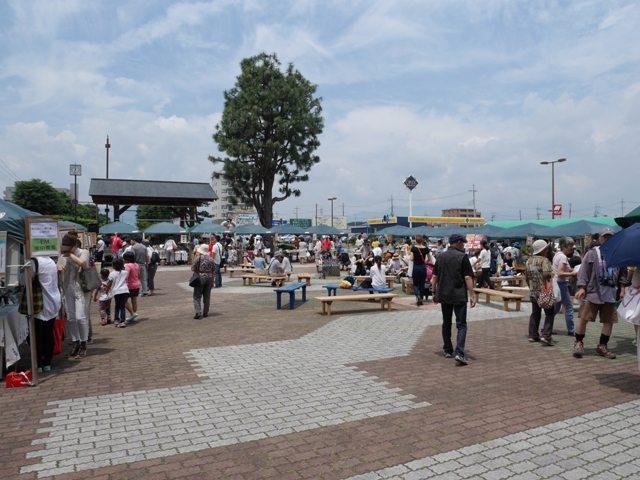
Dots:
pixel 152 268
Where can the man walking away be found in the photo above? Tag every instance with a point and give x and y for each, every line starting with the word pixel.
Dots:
pixel 142 259
pixel 452 281
pixel 215 251
pixel 99 249
pixel 170 248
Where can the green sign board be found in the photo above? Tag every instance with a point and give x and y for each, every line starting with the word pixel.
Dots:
pixel 300 222
pixel 44 246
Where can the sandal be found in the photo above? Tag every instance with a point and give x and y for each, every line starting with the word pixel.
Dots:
pixel 103 323
pixel 82 352
pixel 121 325
pixel 73 352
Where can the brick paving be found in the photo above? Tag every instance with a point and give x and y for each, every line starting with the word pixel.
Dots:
pixel 151 401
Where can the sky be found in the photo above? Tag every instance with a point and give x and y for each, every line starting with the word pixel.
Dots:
pixel 457 93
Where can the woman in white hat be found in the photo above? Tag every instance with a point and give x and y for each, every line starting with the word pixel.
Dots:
pixel 539 271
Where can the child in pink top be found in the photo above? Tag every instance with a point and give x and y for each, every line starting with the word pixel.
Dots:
pixel 133 282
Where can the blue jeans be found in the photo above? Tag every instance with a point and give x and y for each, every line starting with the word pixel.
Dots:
pixel 565 300
pixel 448 310
pixel 217 278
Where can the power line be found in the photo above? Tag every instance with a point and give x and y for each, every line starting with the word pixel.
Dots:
pixel 11 174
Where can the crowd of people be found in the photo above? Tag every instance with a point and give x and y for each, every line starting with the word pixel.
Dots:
pixel 553 273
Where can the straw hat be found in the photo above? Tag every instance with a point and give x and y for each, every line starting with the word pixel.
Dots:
pixel 538 246
pixel 203 249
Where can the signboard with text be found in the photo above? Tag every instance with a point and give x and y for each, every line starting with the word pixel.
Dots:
pixel 557 210
pixel 42 236
pixel 410 182
pixel 300 222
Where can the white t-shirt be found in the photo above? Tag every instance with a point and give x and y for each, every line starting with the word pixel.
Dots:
pixel 217 253
pixel 48 276
pixel 378 276
pixel 485 258
pixel 286 265
pixel 377 251
pixel 100 245
pixel 119 282
pixel 558 259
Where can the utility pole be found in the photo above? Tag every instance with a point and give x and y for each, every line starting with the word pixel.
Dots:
pixel 343 209
pixel 321 211
pixel 520 212
pixel 569 210
pixel 493 216
pixel 391 205
pixel 316 214
pixel 622 207
pixel 596 212
pixel 107 146
pixel 538 212
pixel 474 198
pixel 296 209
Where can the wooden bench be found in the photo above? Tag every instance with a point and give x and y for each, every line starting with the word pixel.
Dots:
pixel 385 298
pixel 506 297
pixel 306 277
pixel 407 285
pixel 518 281
pixel 241 270
pixel 391 279
pixel 333 288
pixel 252 278
pixel 291 290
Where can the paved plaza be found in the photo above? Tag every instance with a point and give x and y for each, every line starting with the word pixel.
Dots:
pixel 252 392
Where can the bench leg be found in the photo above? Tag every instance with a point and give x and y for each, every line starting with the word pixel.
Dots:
pixel 324 308
pixel 292 300
pixel 389 305
pixel 517 305
pixel 505 305
pixel 328 309
pixel 304 293
pixel 488 298
pixel 279 300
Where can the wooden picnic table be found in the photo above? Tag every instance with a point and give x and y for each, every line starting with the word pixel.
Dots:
pixel 519 281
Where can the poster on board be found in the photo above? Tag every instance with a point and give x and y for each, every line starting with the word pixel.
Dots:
pixel 3 259
pixel 42 236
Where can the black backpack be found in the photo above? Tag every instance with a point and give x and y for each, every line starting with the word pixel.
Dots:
pixel 155 258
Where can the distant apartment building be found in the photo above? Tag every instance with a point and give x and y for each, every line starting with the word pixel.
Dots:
pixel 461 212
pixel 221 208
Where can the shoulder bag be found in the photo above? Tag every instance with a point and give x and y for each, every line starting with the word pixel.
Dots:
pixel 194 281
pixel 89 279
pixel 629 308
pixel 546 298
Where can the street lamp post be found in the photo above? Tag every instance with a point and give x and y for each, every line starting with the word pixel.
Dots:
pixel 332 199
pixel 553 183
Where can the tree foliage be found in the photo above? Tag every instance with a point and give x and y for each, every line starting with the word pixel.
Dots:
pixel 39 196
pixel 269 132
pixel 147 215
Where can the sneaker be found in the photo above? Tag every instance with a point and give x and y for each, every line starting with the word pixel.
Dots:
pixel 90 341
pixel 197 316
pixel 47 368
pixel 39 369
pixel 132 318
pixel 603 351
pixel 578 349
pixel 448 355
pixel 534 339
pixel 460 360
pixel 547 341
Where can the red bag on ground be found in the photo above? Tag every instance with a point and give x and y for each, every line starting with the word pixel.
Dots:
pixel 19 379
pixel 58 336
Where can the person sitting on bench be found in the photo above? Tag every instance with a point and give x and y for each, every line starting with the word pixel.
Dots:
pixel 275 267
pixel 259 264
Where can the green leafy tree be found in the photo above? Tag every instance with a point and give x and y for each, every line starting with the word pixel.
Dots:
pixel 269 132
pixel 147 215
pixel 39 196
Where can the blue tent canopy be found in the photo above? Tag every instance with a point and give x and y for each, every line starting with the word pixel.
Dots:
pixel 530 228
pixel 117 227
pixel 249 230
pixel 208 227
pixel 323 230
pixel 286 230
pixel 12 219
pixel 165 228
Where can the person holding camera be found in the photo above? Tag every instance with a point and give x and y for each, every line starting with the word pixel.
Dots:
pixel 599 287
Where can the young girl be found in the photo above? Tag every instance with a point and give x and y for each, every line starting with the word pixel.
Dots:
pixel 133 282
pixel 105 298
pixel 117 285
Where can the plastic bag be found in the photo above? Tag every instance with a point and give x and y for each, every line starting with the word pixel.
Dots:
pixel 556 290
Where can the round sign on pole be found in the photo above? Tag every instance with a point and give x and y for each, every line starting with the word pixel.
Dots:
pixel 410 182
pixel 74 201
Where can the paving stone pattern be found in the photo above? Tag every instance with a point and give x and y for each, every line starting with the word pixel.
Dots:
pixel 604 444
pixel 251 392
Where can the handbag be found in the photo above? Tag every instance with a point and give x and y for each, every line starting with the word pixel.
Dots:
pixel 629 308
pixel 58 335
pixel 546 298
pixel 36 291
pixel 194 281
pixel 89 279
pixel 19 379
